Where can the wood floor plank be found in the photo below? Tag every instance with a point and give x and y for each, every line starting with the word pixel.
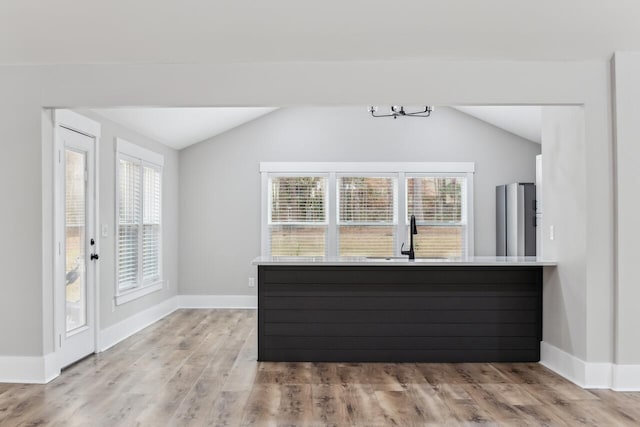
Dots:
pixel 480 373
pixel 362 405
pixel 168 398
pixel 324 373
pixel 440 373
pixel 462 407
pixel 426 399
pixel 529 373
pixel 512 394
pixel 197 405
pixel 296 404
pixel 228 409
pixel 198 368
pixel 329 406
pixel 400 409
pixel 263 406
pixel 492 404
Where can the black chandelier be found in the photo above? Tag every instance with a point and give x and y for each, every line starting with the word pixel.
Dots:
pixel 398 111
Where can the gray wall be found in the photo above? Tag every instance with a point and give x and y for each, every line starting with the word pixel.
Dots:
pixel 21 218
pixel 627 290
pixel 564 203
pixel 110 314
pixel 220 184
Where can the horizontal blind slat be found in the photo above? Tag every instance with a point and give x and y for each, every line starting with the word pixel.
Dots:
pixel 437 203
pixel 366 199
pixel 298 205
pixel 367 207
pixel 435 198
pixel 129 195
pixel 298 199
pixel 151 236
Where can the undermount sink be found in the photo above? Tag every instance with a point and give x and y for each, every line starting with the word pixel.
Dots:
pixel 389 258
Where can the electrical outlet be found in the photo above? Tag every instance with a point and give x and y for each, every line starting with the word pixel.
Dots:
pixel 552 232
pixel 252 282
pixel 105 230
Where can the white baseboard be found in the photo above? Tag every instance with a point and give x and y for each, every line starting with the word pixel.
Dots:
pixel 218 301
pixel 51 367
pixel 576 370
pixel 626 378
pixel 28 369
pixel 124 329
pixel 563 363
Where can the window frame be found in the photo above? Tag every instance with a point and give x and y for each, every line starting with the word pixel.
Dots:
pixel 399 170
pixel 144 158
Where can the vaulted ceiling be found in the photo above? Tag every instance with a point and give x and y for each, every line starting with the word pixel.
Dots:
pixel 524 121
pixel 182 127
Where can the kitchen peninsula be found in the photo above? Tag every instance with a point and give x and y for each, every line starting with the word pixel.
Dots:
pixel 356 309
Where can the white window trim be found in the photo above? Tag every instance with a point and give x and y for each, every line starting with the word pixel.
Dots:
pixel 140 153
pixel 131 294
pixel 132 152
pixel 370 167
pixel 401 170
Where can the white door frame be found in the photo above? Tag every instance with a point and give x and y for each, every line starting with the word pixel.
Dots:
pixel 81 124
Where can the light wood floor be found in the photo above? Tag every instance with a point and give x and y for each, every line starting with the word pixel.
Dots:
pixel 197 367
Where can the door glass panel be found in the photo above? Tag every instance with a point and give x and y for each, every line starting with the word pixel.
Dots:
pixel 75 240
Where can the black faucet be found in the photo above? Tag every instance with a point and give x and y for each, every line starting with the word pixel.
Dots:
pixel 412 230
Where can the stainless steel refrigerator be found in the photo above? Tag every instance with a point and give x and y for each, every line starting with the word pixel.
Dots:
pixel 516 219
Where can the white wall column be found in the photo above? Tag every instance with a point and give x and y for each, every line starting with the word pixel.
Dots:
pixel 626 96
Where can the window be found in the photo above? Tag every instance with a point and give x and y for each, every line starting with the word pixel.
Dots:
pixel 352 209
pixel 366 215
pixel 298 215
pixel 437 202
pixel 139 225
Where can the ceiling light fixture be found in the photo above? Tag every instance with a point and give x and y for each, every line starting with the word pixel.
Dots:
pixel 398 111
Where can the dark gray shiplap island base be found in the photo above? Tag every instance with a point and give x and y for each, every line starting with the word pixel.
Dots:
pixel 363 310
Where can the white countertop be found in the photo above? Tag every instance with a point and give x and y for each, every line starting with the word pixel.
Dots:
pixel 403 261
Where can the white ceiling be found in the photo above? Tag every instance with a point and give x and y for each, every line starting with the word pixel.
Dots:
pixel 202 31
pixel 181 127
pixel 524 121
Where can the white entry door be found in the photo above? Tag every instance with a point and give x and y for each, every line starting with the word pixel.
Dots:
pixel 77 246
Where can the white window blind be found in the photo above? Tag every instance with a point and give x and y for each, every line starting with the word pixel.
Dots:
pixel 139 196
pixel 129 199
pixel 151 225
pixel 439 204
pixel 298 215
pixel 366 215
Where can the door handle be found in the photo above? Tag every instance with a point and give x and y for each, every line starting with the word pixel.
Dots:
pixel 95 257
